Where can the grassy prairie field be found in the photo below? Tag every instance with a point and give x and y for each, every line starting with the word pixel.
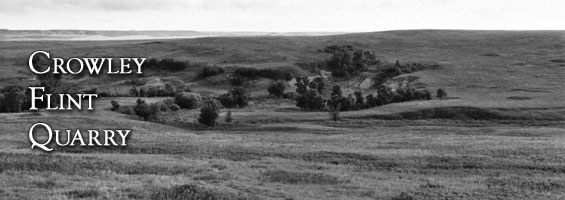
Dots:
pixel 499 135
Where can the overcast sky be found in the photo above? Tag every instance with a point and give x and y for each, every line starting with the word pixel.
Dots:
pixel 282 15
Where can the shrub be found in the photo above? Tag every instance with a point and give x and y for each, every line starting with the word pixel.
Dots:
pixel 229 117
pixel 237 80
pixel 236 97
pixel 277 89
pixel 334 112
pixel 146 111
pixel 128 110
pixel 208 113
pixel 141 109
pixel 187 100
pixel 171 105
pixel 115 105
pixel 210 71
pixel 133 92
pixel 175 107
pixel 290 95
pixel 441 93
pixel 13 99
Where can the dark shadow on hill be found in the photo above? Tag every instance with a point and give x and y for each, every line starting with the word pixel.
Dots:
pixel 472 113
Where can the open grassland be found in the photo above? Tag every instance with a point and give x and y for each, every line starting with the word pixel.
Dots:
pixel 500 135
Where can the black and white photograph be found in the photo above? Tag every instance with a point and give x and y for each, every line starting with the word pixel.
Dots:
pixel 282 99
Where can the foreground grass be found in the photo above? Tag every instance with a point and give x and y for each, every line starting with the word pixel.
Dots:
pixel 427 158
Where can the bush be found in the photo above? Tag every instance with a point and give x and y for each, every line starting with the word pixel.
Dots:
pixel 441 93
pixel 134 92
pixel 334 112
pixel 210 71
pixel 236 97
pixel 187 100
pixel 147 111
pixel 277 89
pixel 237 80
pixel 141 109
pixel 229 117
pixel 290 95
pixel 171 105
pixel 13 99
pixel 209 113
pixel 115 105
pixel 128 110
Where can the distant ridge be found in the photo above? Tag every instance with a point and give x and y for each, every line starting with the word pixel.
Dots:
pixel 70 34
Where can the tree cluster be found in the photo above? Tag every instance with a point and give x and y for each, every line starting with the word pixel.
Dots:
pixel 309 93
pixel 347 61
pixel 387 72
pixel 170 89
pixel 236 97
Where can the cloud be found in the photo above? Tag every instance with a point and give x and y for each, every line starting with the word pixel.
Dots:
pixel 281 15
